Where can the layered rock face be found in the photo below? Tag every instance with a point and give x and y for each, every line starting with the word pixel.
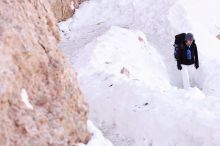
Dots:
pixel 64 9
pixel 40 101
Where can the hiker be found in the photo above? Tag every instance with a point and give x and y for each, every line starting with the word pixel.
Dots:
pixel 186 55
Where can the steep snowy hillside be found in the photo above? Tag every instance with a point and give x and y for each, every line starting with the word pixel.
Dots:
pixel 122 52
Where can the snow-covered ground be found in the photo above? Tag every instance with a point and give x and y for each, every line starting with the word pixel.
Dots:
pixel 122 53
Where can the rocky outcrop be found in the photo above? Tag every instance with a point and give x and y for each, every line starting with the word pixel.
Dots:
pixel 40 101
pixel 64 9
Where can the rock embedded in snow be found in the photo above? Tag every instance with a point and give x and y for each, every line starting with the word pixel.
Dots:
pixel 218 36
pixel 34 73
pixel 125 71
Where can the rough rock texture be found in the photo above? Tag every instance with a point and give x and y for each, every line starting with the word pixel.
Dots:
pixel 64 9
pixel 31 62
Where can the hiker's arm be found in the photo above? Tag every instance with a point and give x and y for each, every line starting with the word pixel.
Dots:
pixel 179 66
pixel 196 57
pixel 178 60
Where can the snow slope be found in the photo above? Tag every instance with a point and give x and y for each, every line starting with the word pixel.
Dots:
pixel 122 52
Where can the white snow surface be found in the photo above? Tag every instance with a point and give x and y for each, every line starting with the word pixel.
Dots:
pixel 122 53
pixel 25 98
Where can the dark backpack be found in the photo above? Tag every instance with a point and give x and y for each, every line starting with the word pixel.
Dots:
pixel 179 40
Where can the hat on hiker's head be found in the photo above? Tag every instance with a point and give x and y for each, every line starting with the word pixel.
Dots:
pixel 189 36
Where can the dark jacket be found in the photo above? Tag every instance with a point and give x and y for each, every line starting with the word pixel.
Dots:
pixel 182 55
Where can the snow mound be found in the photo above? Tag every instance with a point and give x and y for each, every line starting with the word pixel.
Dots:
pixel 123 54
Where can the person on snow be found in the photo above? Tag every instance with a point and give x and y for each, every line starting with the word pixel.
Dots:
pixel 187 56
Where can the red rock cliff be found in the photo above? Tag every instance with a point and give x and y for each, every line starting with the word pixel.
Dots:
pixel 32 67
